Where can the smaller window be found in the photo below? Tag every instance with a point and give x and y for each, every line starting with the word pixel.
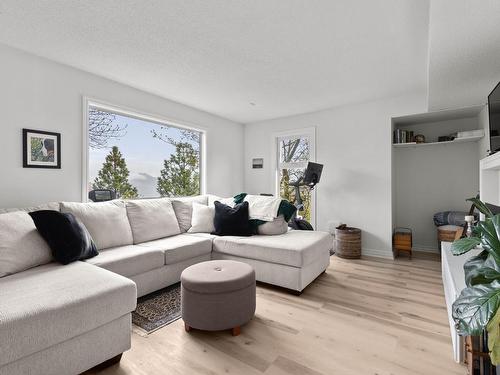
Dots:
pixel 293 155
pixel 294 150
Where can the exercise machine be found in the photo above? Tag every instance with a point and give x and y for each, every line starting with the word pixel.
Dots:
pixel 310 179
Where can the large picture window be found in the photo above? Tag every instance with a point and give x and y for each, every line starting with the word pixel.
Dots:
pixel 294 152
pixel 139 158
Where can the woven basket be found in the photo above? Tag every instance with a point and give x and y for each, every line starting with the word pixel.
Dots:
pixel 348 242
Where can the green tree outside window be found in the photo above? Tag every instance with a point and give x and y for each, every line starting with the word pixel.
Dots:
pixel 114 175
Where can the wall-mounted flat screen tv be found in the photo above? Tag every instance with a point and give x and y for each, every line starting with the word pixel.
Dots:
pixel 494 112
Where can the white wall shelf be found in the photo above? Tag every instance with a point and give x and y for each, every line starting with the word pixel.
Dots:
pixel 456 140
pixel 437 116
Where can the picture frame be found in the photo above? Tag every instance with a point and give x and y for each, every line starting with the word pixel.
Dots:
pixel 257 163
pixel 41 149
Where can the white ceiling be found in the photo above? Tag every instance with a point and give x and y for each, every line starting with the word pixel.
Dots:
pixel 286 56
pixel 464 49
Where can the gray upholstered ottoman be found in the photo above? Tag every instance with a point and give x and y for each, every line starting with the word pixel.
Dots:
pixel 217 295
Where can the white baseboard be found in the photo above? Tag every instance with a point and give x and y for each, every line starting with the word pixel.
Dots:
pixel 425 249
pixel 378 253
pixel 389 255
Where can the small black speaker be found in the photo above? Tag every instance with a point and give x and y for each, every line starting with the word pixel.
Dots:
pixel 101 195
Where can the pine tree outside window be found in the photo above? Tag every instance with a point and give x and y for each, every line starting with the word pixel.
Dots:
pixel 140 158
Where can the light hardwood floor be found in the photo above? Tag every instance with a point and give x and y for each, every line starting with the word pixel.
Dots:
pixel 367 316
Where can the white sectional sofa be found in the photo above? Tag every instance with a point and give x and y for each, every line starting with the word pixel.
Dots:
pixel 57 319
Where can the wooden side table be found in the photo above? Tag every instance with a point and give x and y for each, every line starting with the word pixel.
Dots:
pixel 402 240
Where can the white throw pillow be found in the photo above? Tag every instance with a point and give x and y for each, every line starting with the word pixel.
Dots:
pixel 151 219
pixel 277 226
pixel 107 222
pixel 227 201
pixel 183 208
pixel 203 219
pixel 21 246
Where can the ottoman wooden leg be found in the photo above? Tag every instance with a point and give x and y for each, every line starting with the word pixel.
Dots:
pixel 187 327
pixel 236 331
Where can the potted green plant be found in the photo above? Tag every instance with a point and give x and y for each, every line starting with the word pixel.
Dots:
pixel 477 307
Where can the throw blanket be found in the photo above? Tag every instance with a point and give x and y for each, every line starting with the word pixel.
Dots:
pixel 262 207
pixel 450 218
pixel 285 208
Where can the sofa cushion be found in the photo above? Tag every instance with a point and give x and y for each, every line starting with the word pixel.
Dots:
pixel 50 304
pixel 46 206
pixel 21 246
pixel 107 222
pixel 180 247
pixel 183 208
pixel 129 260
pixel 295 248
pixel 208 236
pixel 151 219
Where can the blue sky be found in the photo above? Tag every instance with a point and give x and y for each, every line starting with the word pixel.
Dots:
pixel 143 153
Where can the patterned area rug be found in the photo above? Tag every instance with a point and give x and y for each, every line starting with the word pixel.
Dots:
pixel 158 309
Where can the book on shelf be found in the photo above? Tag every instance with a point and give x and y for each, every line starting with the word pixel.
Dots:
pixel 402 136
pixel 409 138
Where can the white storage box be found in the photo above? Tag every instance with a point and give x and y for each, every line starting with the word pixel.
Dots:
pixel 471 133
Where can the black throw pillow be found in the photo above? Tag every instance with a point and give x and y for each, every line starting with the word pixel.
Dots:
pixel 232 221
pixel 66 236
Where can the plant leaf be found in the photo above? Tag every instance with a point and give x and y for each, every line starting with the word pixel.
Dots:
pixel 493 329
pixel 495 220
pixel 482 273
pixel 489 238
pixel 475 307
pixel 472 264
pixel 464 245
pixel 481 207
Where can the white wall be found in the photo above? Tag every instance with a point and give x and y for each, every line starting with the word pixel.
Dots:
pixel 463 52
pixel 484 123
pixel 40 94
pixel 354 144
pixel 434 178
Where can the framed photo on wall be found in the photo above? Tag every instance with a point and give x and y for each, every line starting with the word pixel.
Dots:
pixel 41 149
pixel 257 163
